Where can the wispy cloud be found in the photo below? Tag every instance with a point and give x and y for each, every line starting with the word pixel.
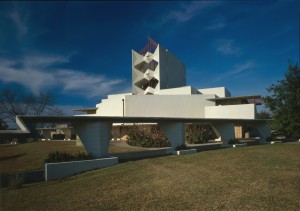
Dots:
pixel 86 84
pixel 227 47
pixel 239 68
pixel 217 24
pixel 20 21
pixel 236 72
pixel 188 10
pixel 35 75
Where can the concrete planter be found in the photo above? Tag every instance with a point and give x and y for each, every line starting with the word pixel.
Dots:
pixel 186 152
pixel 276 142
pixel 239 145
pixel 64 169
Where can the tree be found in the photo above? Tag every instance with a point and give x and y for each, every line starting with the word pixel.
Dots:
pixel 284 102
pixel 263 115
pixel 13 103
pixel 3 125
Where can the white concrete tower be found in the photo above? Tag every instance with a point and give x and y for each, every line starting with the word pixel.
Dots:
pixel 155 68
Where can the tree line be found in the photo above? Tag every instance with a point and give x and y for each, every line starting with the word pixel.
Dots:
pixel 16 102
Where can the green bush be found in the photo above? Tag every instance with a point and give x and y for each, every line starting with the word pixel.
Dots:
pixel 55 157
pixel 198 133
pixel 143 137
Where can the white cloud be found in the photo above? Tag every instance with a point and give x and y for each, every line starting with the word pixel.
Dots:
pixel 19 19
pixel 36 77
pixel 217 24
pixel 236 72
pixel 30 78
pixel 43 60
pixel 239 68
pixel 186 11
pixel 86 85
pixel 227 47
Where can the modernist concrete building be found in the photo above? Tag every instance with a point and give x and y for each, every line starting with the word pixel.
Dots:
pixel 159 89
pixel 160 96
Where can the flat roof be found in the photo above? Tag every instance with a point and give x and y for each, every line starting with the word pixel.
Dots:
pixel 119 119
pixel 6 132
pixel 52 128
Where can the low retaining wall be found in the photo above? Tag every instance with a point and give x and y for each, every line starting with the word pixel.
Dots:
pixel 142 154
pixel 64 169
pixel 239 145
pixel 205 147
pixel 185 152
pixel 23 177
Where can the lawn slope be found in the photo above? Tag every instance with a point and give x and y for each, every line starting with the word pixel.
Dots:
pixel 251 178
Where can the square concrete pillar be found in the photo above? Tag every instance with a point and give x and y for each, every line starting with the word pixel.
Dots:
pixel 95 137
pixel 225 130
pixel 47 133
pixel 175 132
pixel 67 132
pixel 264 131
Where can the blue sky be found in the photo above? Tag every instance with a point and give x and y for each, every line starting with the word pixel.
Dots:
pixel 81 51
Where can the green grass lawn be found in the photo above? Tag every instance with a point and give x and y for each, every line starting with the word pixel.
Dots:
pixel 30 156
pixel 263 177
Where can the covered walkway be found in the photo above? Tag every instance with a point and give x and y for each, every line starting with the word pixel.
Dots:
pixel 95 131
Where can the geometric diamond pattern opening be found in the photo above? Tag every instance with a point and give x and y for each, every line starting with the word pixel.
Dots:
pixel 144 66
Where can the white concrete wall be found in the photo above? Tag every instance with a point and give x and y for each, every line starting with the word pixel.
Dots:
pixel 219 91
pixel 245 111
pixel 113 106
pixel 189 106
pixel 185 90
pixel 64 169
pixel 136 74
pixel 172 72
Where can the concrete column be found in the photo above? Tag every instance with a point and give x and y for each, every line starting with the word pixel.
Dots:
pixel 264 131
pixel 175 132
pixel 95 137
pixel 47 133
pixel 116 132
pixel 225 130
pixel 78 141
pixel 67 132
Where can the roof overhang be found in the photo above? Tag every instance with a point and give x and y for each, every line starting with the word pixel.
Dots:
pixel 250 98
pixel 119 119
pixel 86 109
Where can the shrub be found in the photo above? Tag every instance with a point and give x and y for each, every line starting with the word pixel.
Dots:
pixel 182 147
pixel 198 133
pixel 55 157
pixel 143 137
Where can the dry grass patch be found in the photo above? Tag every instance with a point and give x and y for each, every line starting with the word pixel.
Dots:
pixel 30 156
pixel 252 178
